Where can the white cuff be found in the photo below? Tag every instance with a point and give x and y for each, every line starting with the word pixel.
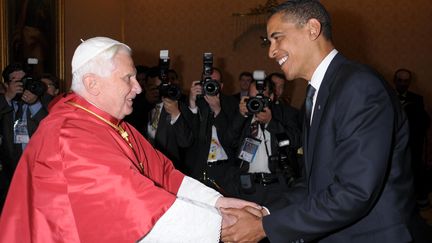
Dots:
pixel 186 221
pixel 196 191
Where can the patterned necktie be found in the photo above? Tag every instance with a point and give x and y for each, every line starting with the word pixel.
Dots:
pixel 155 117
pixel 254 129
pixel 310 91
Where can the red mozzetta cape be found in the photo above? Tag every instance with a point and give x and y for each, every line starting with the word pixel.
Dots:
pixel 78 181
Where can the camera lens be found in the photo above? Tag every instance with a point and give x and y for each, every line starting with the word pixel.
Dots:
pixel 174 92
pixel 255 105
pixel 211 87
pixel 170 91
pixel 35 86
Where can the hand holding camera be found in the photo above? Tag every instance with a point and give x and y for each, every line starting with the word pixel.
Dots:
pixel 257 103
pixel 264 116
pixel 13 88
pixel 210 87
pixel 214 103
pixel 242 106
pixel 27 89
pixel 166 89
pixel 195 90
pixel 28 97
pixel 171 106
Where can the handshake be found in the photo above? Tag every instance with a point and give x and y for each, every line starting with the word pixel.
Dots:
pixel 241 220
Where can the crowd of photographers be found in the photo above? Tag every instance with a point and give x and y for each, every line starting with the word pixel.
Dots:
pixel 243 145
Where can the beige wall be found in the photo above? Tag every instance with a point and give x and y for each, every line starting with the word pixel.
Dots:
pixel 386 34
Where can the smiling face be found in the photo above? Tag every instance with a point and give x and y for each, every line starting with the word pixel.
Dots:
pixel 290 46
pixel 118 90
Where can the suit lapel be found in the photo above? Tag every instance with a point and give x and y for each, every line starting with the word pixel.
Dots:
pixel 319 108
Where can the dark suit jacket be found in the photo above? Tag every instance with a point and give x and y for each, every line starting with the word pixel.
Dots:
pixel 10 152
pixel 201 125
pixel 358 184
pixel 173 139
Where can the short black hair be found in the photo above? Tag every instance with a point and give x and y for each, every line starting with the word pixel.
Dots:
pixel 268 84
pixel 247 74
pixel 279 75
pixel 10 69
pixel 303 10
pixel 53 78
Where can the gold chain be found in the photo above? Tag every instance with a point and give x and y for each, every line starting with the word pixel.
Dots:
pixel 123 133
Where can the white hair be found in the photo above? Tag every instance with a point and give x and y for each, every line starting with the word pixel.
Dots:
pixel 101 65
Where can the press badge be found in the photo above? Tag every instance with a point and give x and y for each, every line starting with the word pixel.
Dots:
pixel 249 149
pixel 20 132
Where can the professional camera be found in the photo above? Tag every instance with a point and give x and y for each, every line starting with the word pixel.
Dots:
pixel 260 101
pixel 210 86
pixel 166 89
pixel 284 160
pixel 33 85
pixel 30 83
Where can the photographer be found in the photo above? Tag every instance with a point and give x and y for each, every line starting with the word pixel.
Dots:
pixel 266 167
pixel 20 114
pixel 165 128
pixel 210 157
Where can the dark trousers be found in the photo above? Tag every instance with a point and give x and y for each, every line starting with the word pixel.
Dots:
pixel 262 193
pixel 219 176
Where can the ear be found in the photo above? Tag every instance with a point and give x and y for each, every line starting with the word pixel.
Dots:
pixel 92 83
pixel 314 27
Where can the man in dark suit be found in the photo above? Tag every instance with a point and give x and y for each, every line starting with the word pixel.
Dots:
pixel 163 123
pixel 245 79
pixel 20 114
pixel 209 159
pixel 358 185
pixel 267 138
pixel 418 119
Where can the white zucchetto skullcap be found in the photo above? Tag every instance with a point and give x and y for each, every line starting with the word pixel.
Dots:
pixel 90 48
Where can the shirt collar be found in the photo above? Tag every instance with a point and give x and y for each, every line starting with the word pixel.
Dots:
pixel 320 71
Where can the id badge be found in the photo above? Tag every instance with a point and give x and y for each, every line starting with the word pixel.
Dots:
pixel 248 149
pixel 20 132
